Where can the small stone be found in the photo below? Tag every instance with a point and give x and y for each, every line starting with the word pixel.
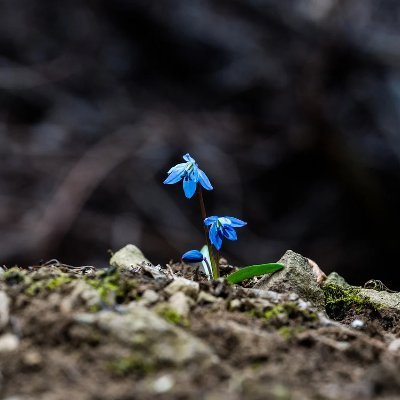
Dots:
pixel 235 305
pixel 293 297
pixel 297 277
pixel 128 258
pixel 180 303
pixel 357 324
pixel 4 309
pixel 205 297
pixel 8 342
pixel 149 297
pixel 32 358
pixel 394 346
pixel 163 384
pixel 188 287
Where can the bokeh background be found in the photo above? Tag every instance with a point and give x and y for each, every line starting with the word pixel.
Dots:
pixel 291 108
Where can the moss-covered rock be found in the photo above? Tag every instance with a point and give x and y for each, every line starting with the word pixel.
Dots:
pixel 341 297
pixel 297 277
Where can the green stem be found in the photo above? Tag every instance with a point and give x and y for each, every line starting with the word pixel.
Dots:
pixel 214 264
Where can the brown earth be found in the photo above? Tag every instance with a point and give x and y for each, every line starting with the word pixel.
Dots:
pixel 262 345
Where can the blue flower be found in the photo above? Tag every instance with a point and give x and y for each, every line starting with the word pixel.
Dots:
pixel 222 226
pixel 192 256
pixel 190 172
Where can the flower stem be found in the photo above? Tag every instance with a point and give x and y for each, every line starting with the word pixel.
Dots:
pixel 214 262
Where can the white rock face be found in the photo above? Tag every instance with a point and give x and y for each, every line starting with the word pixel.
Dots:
pixel 4 309
pixel 128 257
pixel 188 287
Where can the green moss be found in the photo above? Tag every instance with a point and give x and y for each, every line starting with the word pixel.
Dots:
pixel 171 315
pixel 112 287
pixel 40 283
pixel 288 332
pixel 132 364
pixel 340 300
pixel 14 276
pixel 289 311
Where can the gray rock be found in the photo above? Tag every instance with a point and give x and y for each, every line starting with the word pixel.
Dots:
pixel 382 299
pixel 188 287
pixel 335 279
pixel 149 297
pixel 4 309
pixel 151 336
pixel 128 258
pixel 180 303
pixel 297 277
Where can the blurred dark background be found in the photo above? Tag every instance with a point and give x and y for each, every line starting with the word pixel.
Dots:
pixel 291 108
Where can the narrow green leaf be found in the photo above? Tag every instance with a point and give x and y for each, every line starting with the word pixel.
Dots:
pixel 253 270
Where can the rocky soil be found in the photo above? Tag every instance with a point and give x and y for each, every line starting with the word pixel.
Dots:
pixel 138 331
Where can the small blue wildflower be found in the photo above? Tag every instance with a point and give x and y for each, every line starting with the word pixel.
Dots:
pixel 222 226
pixel 192 256
pixel 190 173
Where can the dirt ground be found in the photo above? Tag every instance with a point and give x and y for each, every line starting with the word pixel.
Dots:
pixel 263 347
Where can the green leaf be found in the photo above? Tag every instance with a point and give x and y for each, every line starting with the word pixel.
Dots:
pixel 253 270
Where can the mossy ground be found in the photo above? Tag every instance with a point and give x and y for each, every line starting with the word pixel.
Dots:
pixel 341 300
pixel 257 343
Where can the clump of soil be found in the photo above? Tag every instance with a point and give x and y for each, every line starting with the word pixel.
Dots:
pixel 60 338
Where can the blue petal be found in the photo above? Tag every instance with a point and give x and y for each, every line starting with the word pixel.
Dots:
pixel 189 187
pixel 194 174
pixel 215 236
pixel 178 166
pixel 175 175
pixel 229 232
pixel 210 220
pixel 236 222
pixel 188 158
pixel 192 256
pixel 203 179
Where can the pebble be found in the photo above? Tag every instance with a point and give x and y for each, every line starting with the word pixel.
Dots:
pixel 4 309
pixel 163 384
pixel 8 342
pixel 205 297
pixel 186 286
pixel 394 346
pixel 179 302
pixel 235 305
pixel 149 297
pixel 357 324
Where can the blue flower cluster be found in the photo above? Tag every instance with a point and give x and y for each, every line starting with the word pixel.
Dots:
pixel 221 227
pixel 218 227
pixel 191 175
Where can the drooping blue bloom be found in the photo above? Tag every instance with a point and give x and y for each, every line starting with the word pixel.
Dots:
pixel 192 256
pixel 221 227
pixel 190 172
